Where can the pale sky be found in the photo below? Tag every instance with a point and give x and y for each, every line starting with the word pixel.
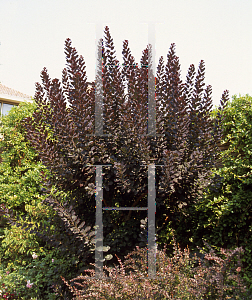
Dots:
pixel 33 32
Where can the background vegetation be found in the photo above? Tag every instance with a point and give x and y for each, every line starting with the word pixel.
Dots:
pixel 21 196
pixel 224 217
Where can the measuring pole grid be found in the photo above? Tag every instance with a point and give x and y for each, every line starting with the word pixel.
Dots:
pixel 151 249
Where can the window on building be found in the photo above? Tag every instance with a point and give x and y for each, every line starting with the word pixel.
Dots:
pixel 5 108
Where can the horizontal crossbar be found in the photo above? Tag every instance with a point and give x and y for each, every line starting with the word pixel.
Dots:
pixel 109 165
pixel 125 136
pixel 99 135
pixel 125 208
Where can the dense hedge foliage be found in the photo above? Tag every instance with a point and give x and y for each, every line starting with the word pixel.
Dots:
pixel 21 197
pixel 224 217
pixel 185 143
pixel 20 188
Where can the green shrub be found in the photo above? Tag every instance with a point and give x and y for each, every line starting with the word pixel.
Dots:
pixel 224 216
pixel 20 185
pixel 43 273
pixel 21 199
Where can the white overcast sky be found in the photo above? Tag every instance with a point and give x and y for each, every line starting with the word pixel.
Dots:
pixel 33 32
